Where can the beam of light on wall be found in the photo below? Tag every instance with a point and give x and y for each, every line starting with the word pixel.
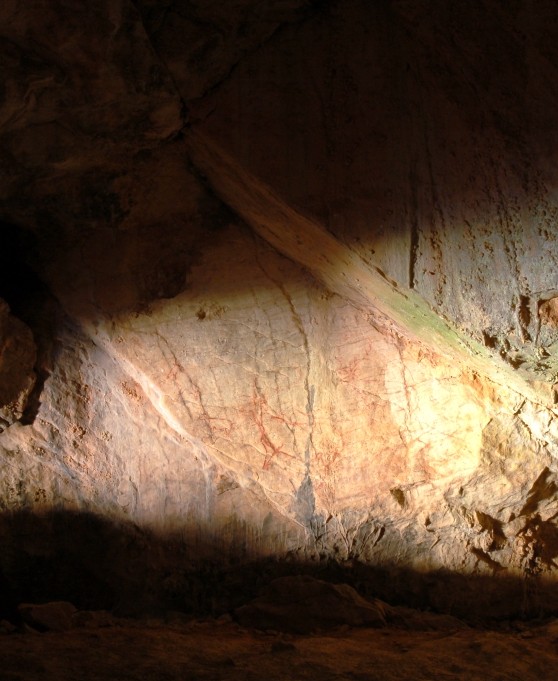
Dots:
pixel 344 272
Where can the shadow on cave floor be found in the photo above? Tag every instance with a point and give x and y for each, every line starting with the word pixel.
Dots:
pixel 97 564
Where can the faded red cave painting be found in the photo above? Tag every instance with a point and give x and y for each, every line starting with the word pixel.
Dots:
pixel 261 411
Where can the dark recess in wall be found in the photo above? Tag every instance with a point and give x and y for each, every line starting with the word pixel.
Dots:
pixel 20 286
pixel 31 301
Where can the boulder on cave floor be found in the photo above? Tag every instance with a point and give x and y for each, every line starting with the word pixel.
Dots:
pixel 53 616
pixel 301 604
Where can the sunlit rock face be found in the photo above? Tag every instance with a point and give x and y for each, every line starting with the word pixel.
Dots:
pixel 318 324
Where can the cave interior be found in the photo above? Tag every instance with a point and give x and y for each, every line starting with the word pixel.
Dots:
pixel 279 339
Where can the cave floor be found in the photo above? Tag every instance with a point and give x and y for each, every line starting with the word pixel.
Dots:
pixel 129 650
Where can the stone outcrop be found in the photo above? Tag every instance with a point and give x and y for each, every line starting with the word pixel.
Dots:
pixel 302 604
pixel 303 264
pixel 55 616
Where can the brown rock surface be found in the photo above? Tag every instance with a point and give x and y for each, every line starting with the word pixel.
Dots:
pixel 201 42
pixel 83 93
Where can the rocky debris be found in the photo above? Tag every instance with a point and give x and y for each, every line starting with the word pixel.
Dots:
pixel 302 604
pixel 141 650
pixel 17 361
pixel 53 616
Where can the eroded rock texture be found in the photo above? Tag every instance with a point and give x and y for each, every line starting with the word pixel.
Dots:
pixel 301 265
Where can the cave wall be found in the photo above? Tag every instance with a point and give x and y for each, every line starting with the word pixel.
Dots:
pixel 419 135
pixel 298 263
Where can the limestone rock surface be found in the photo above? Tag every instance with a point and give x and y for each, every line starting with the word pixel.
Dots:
pixel 390 130
pixel 321 324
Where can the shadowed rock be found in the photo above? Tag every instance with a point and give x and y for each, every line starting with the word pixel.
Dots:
pixel 302 604
pixel 17 357
pixel 55 616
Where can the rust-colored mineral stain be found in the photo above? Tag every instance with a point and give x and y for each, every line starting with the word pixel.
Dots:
pixel 548 312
